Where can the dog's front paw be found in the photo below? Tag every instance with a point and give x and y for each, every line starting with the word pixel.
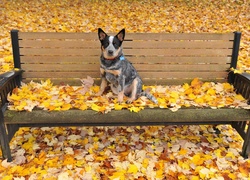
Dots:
pixel 130 100
pixel 120 100
pixel 120 97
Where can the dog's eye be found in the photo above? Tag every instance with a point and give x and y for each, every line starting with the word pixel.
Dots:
pixel 114 43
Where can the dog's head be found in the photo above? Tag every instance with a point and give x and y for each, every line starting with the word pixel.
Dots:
pixel 111 45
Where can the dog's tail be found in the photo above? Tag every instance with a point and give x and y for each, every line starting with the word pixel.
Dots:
pixel 149 96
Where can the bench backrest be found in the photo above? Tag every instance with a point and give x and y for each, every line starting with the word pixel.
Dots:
pixel 160 58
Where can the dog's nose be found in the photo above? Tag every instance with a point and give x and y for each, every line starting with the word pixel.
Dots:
pixel 110 52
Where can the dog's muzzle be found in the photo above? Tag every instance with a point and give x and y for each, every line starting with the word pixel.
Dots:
pixel 110 52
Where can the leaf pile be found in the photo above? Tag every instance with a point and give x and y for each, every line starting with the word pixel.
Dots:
pixel 139 153
pixel 136 16
pixel 50 97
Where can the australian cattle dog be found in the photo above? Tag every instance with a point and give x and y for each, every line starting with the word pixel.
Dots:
pixel 117 71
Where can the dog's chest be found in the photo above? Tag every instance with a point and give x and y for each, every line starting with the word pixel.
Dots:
pixel 111 78
pixel 112 70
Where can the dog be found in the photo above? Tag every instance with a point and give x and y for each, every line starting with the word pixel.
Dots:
pixel 117 71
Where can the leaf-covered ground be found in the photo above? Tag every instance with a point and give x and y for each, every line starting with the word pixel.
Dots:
pixel 171 152
pixel 134 15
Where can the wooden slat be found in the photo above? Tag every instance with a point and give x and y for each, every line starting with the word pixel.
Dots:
pixel 154 59
pixel 178 44
pixel 60 59
pixel 151 68
pixel 57 35
pixel 157 75
pixel 63 67
pixel 180 60
pixel 60 44
pixel 66 52
pixel 133 36
pixel 137 52
pixel 180 36
pixel 178 52
pixel 128 44
pixel 184 75
pixel 77 82
pixel 93 74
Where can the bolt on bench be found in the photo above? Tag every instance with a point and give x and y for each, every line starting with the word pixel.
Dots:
pixel 161 59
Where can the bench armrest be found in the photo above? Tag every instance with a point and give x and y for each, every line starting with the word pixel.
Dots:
pixel 9 81
pixel 242 85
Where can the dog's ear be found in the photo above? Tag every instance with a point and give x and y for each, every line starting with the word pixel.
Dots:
pixel 121 35
pixel 101 34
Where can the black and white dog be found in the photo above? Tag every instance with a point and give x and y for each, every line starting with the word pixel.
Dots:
pixel 117 71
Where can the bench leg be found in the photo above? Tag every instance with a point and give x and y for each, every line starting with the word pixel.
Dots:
pixel 12 129
pixel 246 144
pixel 4 139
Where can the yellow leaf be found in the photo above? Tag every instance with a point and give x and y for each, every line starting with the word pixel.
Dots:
pixel 7 177
pixel 52 162
pixel 159 174
pixel 66 107
pixel 195 178
pixel 95 107
pixel 218 153
pixel 227 86
pixel 51 108
pixel 135 109
pixel 199 100
pixel 174 95
pixel 182 177
pixel 27 145
pixel 211 92
pixel 239 97
pixel 183 165
pixel 208 98
pixel 185 86
pixel 183 151
pixel 145 163
pixel 21 106
pixel 191 96
pixel 229 100
pixel 118 106
pixel 236 70
pixel 95 89
pixel 232 176
pixel 68 160
pixel 8 59
pixel 197 160
pixel 14 97
pixel 196 83
pixel 16 169
pixel 132 169
pixel 6 67
pixel 83 107
pixel 118 175
pixel 188 91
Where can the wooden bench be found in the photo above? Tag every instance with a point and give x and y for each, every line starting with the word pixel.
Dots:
pixel 164 58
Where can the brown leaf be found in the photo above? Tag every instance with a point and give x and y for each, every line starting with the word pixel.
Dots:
pixel 164 154
pixel 107 164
